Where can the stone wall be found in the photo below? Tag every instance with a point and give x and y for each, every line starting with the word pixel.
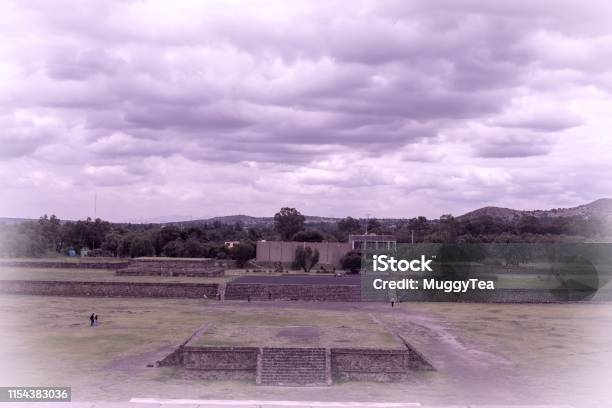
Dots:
pixel 223 363
pixel 172 267
pixel 284 251
pixel 375 364
pixel 110 289
pixel 293 366
pixel 63 264
pixel 296 366
pixel 492 296
pixel 337 293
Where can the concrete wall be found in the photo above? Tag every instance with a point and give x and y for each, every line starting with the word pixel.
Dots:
pixel 284 251
pixel 110 289
pixel 337 293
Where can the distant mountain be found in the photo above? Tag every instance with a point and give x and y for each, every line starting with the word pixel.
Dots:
pixel 245 220
pixel 164 219
pixel 249 221
pixel 12 221
pixel 599 208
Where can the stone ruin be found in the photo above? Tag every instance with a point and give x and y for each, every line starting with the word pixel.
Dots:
pixel 193 267
pixel 295 366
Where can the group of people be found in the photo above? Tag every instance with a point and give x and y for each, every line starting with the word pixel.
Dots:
pixel 93 319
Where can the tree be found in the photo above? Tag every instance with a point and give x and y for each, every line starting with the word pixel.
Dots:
pixel 374 226
pixel 349 225
pixel 530 224
pixel 308 236
pixel 141 246
pixel 351 261
pixel 305 258
pixel 242 253
pixel 173 249
pixel 448 229
pixel 288 221
pixel 111 243
pixel 194 249
pixel 165 235
pixel 50 231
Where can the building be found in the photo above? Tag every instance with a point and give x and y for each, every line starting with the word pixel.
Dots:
pixel 330 253
pixel 231 244
pixel 372 242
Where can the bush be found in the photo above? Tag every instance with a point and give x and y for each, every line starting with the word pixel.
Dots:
pixel 141 246
pixel 351 261
pixel 100 253
pixel 194 249
pixel 242 253
pixel 305 258
pixel 173 249
pixel 308 236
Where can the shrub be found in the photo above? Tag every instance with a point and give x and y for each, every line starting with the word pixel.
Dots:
pixel 305 258
pixel 308 236
pixel 351 261
pixel 173 249
pixel 194 249
pixel 141 246
pixel 242 253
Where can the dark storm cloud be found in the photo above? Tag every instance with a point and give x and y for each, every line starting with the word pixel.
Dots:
pixel 418 88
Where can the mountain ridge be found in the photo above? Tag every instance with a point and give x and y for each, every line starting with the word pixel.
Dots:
pixel 600 207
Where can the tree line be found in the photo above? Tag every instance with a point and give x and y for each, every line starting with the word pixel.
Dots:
pixel 48 235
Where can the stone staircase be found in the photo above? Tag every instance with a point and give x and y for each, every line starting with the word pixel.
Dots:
pixel 294 366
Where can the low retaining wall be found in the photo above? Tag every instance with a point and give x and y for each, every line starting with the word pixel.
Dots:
pixel 370 364
pixel 330 293
pixel 342 364
pixel 63 265
pixel 110 289
pixel 172 267
pixel 220 363
pixel 502 296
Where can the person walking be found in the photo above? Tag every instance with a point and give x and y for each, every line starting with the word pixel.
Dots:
pixel 96 319
pixel 91 320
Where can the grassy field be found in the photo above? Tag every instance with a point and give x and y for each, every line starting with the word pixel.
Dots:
pixel 106 275
pixel 274 327
pixel 511 354
pixel 96 275
pixel 531 281
pixel 71 259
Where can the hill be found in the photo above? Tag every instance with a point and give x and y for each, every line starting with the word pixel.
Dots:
pixel 598 208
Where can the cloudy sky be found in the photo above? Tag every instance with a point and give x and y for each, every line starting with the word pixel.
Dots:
pixel 392 109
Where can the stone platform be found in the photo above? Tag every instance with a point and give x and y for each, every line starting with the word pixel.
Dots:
pixel 193 267
pixel 290 354
pixel 296 366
